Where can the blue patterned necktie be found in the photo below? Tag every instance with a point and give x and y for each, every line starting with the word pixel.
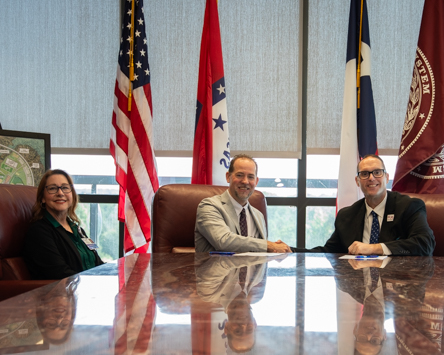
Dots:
pixel 243 223
pixel 374 234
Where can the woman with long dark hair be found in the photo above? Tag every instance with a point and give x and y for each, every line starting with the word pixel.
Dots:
pixel 56 246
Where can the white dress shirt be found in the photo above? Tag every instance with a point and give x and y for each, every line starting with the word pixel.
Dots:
pixel 379 210
pixel 251 226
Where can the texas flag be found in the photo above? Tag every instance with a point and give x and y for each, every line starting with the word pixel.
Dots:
pixel 211 153
pixel 358 134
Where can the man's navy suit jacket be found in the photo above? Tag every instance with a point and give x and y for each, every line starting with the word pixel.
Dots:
pixel 406 232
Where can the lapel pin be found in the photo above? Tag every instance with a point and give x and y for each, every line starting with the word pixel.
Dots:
pixel 390 217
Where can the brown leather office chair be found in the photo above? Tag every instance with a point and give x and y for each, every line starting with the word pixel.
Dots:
pixel 15 215
pixel 174 215
pixel 435 217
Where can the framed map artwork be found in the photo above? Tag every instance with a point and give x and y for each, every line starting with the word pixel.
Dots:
pixel 24 157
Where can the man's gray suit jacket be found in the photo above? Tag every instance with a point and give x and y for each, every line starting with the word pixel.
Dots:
pixel 217 227
pixel 217 279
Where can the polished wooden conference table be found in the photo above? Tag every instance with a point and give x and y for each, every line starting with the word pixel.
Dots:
pixel 202 304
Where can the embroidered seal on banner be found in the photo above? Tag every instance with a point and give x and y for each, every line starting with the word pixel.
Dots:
pixel 421 102
pixel 433 168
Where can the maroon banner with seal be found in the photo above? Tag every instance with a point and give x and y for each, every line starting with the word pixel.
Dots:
pixel 420 167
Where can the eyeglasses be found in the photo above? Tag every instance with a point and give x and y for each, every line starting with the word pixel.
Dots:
pixel 53 189
pixel 377 173
pixel 361 338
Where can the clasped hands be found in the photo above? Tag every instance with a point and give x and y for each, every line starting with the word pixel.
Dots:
pixel 359 248
pixel 278 247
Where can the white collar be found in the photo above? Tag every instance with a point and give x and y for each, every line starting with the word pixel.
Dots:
pixel 237 206
pixel 379 209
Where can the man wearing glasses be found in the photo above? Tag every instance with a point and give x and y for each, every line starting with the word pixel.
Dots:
pixel 382 223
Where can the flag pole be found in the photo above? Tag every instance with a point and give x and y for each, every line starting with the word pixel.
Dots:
pixel 358 71
pixel 131 59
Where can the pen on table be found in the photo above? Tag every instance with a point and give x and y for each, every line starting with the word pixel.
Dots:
pixel 366 256
pixel 222 252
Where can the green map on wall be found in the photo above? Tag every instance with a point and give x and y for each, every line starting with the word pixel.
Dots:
pixel 22 160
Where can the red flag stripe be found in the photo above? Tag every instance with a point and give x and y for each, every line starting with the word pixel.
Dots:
pixel 127 241
pixel 135 306
pixel 144 337
pixel 140 201
pixel 121 141
pixel 141 131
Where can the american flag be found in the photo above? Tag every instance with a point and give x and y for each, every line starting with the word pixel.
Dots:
pixel 131 143
pixel 211 152
pixel 358 134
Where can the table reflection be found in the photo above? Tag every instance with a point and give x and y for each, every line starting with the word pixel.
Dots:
pixel 56 310
pixel 385 291
pixel 208 305
pixel 227 296
pixel 43 317
pixel 234 283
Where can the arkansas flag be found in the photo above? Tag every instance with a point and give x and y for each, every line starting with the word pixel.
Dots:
pixel 211 152
pixel 420 167
pixel 131 143
pixel 358 134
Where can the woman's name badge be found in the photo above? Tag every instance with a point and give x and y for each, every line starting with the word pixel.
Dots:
pixel 90 244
